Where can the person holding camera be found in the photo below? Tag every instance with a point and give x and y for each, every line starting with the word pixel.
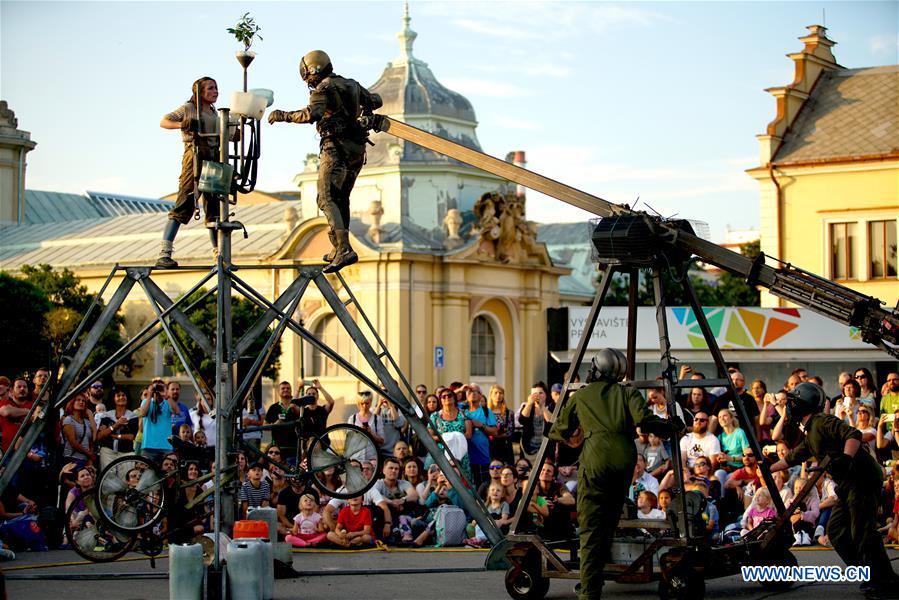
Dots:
pixel 156 411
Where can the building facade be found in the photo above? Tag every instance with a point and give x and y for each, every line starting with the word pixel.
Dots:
pixel 829 171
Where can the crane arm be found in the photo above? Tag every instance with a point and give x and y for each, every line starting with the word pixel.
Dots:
pixel 630 236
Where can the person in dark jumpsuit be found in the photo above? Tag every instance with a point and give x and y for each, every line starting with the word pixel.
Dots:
pixel 606 413
pixel 335 105
pixel 852 528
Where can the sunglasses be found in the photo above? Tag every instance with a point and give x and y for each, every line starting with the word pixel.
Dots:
pixel 702 463
pixel 447 395
pixel 421 391
pixel 749 456
pixel 274 452
pixel 97 386
pixel 496 467
pixel 862 376
pixel 701 420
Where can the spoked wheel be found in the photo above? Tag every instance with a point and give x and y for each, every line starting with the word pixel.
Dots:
pixel 329 461
pixel 131 495
pixel 90 536
pixel 526 582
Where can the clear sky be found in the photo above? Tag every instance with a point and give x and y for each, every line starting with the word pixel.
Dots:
pixel 656 100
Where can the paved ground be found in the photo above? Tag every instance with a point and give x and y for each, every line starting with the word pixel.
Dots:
pixel 376 575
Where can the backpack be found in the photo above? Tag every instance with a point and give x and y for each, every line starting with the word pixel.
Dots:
pixel 449 525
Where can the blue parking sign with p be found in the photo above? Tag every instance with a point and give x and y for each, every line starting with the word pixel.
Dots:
pixel 439 357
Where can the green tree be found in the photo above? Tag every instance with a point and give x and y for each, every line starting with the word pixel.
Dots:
pixel 727 290
pixel 69 302
pixel 21 326
pixel 243 315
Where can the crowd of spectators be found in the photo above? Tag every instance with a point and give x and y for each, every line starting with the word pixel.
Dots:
pixel 494 445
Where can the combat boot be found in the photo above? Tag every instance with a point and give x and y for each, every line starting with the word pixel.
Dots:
pixel 165 260
pixel 330 255
pixel 344 254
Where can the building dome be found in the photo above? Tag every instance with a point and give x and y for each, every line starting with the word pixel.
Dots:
pixel 409 88
pixel 413 95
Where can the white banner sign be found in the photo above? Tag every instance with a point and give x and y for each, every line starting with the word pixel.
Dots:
pixel 733 327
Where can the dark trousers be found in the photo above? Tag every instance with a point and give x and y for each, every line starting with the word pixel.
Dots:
pixel 852 530
pixel 599 502
pixel 337 172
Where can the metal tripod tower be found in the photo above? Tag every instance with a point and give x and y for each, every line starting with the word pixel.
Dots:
pixel 230 392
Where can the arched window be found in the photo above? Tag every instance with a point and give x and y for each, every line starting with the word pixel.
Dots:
pixel 332 334
pixel 483 348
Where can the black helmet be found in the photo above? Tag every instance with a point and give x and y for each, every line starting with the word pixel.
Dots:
pixel 609 364
pixel 805 399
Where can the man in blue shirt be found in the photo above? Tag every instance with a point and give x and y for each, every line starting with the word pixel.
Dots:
pixel 157 410
pixel 174 392
pixel 483 424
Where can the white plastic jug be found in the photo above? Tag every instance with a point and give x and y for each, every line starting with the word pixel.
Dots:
pixel 186 571
pixel 248 104
pixel 244 577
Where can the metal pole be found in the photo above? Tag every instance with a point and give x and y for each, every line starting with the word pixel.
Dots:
pixel 634 275
pixel 667 366
pixel 223 517
pixel 582 345
pixel 715 351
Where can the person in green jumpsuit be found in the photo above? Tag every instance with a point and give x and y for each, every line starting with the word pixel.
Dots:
pixel 852 528
pixel 606 413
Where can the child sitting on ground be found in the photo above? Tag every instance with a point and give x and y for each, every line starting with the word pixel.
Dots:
pixel 353 525
pixel 308 527
pixel 758 511
pixel 498 509
pixel 646 506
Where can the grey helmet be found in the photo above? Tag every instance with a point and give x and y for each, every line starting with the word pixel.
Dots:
pixel 608 364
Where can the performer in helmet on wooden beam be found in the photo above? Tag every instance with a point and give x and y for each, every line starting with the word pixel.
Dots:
pixel 335 104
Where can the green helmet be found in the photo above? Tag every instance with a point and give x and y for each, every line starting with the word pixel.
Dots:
pixel 315 66
pixel 609 364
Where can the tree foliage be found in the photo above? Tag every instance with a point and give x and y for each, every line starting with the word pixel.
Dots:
pixel 243 315
pixel 21 324
pixel 727 290
pixel 45 309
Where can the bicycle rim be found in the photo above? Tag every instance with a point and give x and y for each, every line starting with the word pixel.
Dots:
pixel 135 505
pixel 330 461
pixel 91 537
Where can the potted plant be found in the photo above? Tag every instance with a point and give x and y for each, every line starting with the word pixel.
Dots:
pixel 246 30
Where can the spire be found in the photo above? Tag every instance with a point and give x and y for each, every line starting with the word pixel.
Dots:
pixel 406 37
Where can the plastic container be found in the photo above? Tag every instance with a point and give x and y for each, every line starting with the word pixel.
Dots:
pixel 270 516
pixel 248 104
pixel 265 93
pixel 244 576
pixel 186 570
pixel 266 566
pixel 250 529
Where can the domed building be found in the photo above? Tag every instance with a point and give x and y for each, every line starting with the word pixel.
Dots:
pixel 456 285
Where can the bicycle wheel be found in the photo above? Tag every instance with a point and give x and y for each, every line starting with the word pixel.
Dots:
pixel 131 495
pixel 90 536
pixel 329 461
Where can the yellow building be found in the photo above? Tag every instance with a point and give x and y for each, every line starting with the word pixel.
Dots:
pixel 450 302
pixel 829 171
